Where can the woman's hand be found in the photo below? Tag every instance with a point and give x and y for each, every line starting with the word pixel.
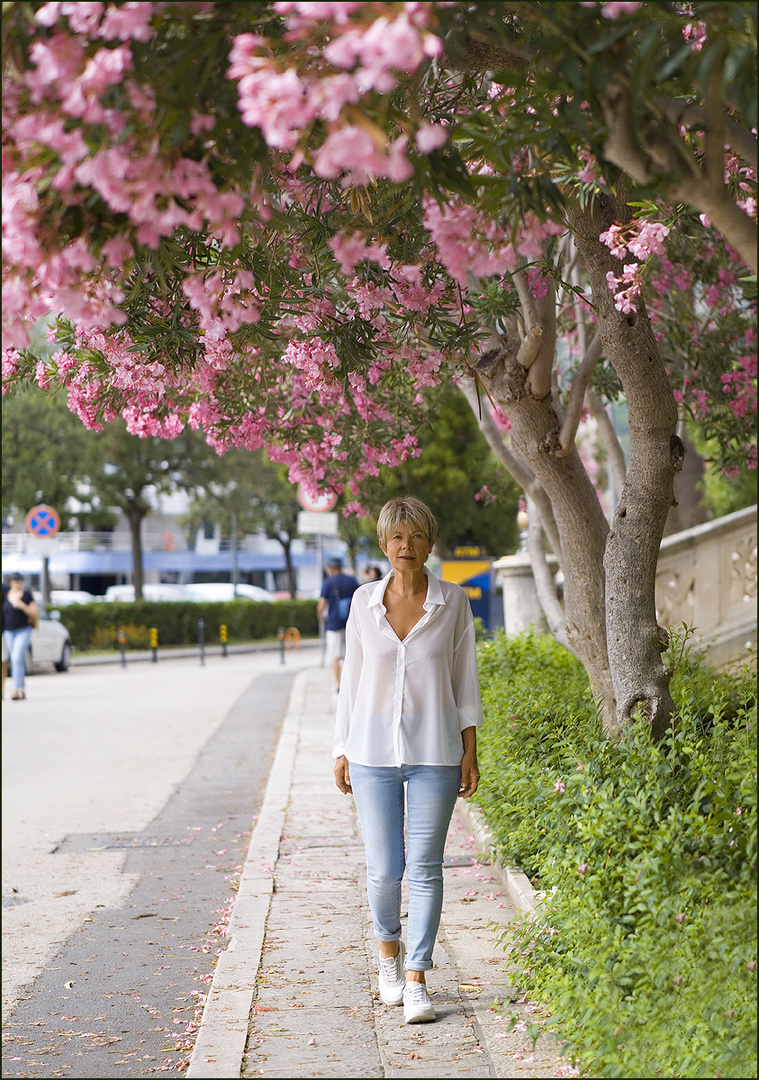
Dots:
pixel 470 775
pixel 342 776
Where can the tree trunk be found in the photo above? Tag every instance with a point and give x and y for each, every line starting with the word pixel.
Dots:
pixel 688 511
pixel 635 641
pixel 582 527
pixel 135 518
pixel 292 584
pixel 291 580
pixel 545 584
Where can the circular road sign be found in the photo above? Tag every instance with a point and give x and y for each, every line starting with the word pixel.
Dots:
pixel 43 521
pixel 318 504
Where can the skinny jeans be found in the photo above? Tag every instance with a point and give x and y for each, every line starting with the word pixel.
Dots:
pixel 426 805
pixel 17 642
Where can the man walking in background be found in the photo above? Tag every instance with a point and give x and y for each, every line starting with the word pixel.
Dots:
pixel 334 604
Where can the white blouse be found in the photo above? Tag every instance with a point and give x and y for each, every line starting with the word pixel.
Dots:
pixel 407 702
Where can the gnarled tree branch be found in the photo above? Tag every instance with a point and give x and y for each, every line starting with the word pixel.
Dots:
pixel 740 141
pixel 577 396
pixel 545 585
pixel 517 468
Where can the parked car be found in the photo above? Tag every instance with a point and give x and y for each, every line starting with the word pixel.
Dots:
pixel 50 643
pixel 152 592
pixel 64 597
pixel 221 591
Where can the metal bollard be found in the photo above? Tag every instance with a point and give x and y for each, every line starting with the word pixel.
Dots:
pixel 223 639
pixel 202 641
pixel 282 644
pixel 122 647
pixel 154 643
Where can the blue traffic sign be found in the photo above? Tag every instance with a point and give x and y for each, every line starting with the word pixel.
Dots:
pixel 43 521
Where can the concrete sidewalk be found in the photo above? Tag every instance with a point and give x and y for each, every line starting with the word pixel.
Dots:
pixel 295 992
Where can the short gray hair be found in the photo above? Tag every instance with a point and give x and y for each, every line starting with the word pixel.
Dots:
pixel 405 511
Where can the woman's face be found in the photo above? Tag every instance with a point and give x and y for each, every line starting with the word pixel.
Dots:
pixel 407 548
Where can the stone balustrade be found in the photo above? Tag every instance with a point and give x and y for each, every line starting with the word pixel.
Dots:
pixel 706 578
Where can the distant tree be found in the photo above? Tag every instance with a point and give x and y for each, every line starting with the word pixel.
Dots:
pixel 127 472
pixel 470 493
pixel 243 490
pixel 47 458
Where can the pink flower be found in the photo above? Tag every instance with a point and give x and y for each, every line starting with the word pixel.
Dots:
pixel 129 21
pixel 614 240
pixel 349 250
pixel 117 251
pixel 614 10
pixel 344 150
pixel 559 787
pixel 430 137
pixel 353 151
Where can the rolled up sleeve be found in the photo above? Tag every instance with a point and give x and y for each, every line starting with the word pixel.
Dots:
pixel 349 680
pixel 464 677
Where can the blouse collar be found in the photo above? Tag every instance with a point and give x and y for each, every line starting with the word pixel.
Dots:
pixel 434 598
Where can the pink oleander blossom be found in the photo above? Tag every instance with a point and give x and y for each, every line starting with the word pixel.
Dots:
pixel 130 21
pixel 351 249
pixel 467 241
pixel 430 137
pixel 351 150
pixel 381 48
pixel 695 33
pixel 337 13
pixel 11 360
pixel 614 10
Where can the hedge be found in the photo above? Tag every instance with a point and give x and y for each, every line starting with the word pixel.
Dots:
pixel 643 951
pixel 97 625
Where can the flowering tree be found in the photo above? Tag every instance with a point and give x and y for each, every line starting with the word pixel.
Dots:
pixel 281 223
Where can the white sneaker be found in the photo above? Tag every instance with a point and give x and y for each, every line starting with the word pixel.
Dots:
pixel 417 1007
pixel 392 977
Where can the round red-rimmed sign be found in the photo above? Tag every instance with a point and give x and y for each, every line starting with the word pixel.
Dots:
pixel 316 504
pixel 43 521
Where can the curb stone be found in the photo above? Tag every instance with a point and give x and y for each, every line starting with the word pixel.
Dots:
pixel 223 1031
pixel 515 881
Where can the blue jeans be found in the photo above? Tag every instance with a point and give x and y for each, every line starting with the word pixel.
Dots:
pixel 430 797
pixel 17 642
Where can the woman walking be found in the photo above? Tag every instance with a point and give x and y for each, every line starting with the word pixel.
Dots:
pixel 20 614
pixel 406 741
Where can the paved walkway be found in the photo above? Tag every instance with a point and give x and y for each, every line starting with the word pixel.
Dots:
pixel 295 992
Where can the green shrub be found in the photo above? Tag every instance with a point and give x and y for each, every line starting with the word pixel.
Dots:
pixel 107 637
pixel 96 626
pixel 645 949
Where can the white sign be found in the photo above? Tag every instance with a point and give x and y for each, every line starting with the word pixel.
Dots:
pixel 317 522
pixel 316 504
pixel 43 546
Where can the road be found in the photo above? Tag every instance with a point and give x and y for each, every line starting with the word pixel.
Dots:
pixel 128 799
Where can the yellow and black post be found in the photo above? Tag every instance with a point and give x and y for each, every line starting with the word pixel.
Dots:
pixel 154 642
pixel 223 639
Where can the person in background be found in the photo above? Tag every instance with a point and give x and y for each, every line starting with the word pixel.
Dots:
pixel 371 573
pixel 20 615
pixel 406 741
pixel 337 586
